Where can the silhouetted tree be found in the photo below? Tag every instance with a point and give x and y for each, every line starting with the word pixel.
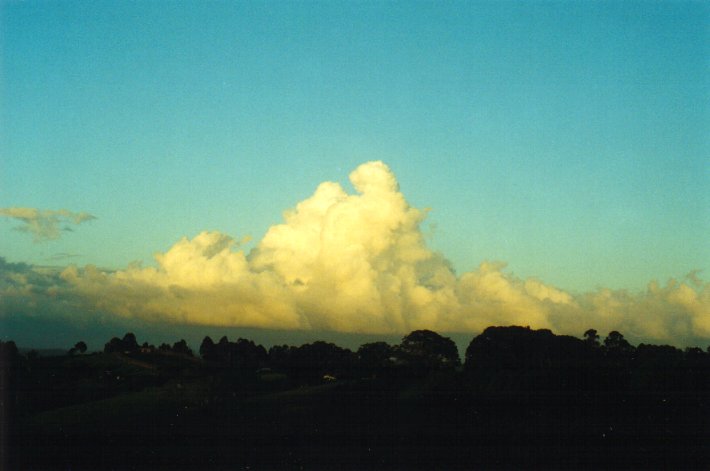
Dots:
pixel 311 361
pixel 206 348
pixel 697 364
pixel 280 357
pixel 618 355
pixel 591 338
pixel 514 358
pixel 374 357
pixel 245 354
pixel 113 345
pixel 616 342
pixel 182 348
pixel 428 350
pixel 129 343
pixel 79 347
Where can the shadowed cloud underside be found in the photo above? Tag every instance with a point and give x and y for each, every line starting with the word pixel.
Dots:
pixel 45 225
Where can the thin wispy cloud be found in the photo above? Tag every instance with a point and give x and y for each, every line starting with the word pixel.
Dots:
pixel 45 224
pixel 62 257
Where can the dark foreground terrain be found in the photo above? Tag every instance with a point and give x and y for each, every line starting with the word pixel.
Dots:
pixel 522 399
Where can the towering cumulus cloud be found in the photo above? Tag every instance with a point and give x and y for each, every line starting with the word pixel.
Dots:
pixel 359 263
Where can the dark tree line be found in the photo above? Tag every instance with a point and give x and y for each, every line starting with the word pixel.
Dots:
pixel 500 357
pixel 128 344
pixel 419 352
pixel 517 358
pixel 242 354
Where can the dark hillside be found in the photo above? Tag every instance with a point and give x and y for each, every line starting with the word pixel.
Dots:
pixel 522 399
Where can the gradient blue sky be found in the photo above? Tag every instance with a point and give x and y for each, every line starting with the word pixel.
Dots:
pixel 568 139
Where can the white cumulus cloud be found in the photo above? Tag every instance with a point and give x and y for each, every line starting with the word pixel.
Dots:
pixel 359 263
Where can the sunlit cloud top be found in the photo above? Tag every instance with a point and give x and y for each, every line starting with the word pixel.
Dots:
pixel 351 263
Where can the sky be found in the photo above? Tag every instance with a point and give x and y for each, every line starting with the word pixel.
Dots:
pixel 367 167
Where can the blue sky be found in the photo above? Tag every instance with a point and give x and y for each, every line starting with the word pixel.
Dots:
pixel 568 139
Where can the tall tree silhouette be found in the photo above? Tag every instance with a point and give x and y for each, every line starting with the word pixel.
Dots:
pixel 591 338
pixel 207 348
pixel 129 342
pixel 615 342
pixel 182 348
pixel 425 350
pixel 78 347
